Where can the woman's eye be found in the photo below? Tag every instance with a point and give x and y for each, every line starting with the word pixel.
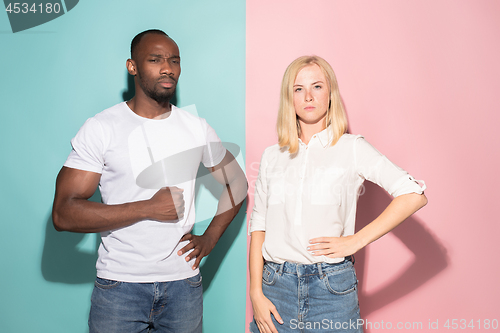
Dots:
pixel 317 87
pixel 298 89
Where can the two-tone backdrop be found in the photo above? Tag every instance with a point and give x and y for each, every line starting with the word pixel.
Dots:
pixel 419 79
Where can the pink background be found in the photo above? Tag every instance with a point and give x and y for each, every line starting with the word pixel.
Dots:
pixel 421 81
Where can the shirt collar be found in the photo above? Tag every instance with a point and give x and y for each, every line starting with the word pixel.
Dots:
pixel 324 137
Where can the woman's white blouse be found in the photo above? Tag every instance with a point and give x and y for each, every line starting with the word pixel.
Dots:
pixel 314 193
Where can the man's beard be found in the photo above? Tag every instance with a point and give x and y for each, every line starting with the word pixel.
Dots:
pixel 159 97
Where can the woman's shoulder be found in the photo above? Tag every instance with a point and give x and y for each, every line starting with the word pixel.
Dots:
pixel 349 139
pixel 271 151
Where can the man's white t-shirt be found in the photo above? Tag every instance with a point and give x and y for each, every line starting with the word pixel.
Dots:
pixel 137 156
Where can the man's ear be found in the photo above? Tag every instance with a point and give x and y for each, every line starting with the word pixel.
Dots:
pixel 131 68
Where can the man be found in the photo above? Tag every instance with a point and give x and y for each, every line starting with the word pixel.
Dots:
pixel 144 154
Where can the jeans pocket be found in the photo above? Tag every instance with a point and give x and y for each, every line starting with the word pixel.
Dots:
pixel 106 284
pixel 341 282
pixel 194 281
pixel 269 275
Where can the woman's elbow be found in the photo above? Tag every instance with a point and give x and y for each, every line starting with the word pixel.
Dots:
pixel 422 200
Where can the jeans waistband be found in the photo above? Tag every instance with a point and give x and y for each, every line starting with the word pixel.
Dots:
pixel 310 269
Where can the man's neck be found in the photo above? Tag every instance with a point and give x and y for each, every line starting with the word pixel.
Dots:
pixel 148 108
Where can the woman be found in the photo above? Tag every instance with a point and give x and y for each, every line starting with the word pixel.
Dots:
pixel 302 225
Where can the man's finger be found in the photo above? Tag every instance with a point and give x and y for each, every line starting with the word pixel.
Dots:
pixel 197 262
pixel 186 237
pixel 186 248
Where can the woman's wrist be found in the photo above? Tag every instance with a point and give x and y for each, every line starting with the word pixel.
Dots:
pixel 255 292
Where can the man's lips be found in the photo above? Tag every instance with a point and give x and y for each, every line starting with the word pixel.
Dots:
pixel 167 83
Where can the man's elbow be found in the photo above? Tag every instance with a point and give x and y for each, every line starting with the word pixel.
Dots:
pixel 58 221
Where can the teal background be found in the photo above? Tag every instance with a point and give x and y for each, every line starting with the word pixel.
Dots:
pixel 57 75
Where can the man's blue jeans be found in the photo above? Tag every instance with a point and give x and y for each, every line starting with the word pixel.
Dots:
pixel 312 298
pixel 175 306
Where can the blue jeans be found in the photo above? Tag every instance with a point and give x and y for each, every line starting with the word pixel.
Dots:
pixel 175 306
pixel 312 298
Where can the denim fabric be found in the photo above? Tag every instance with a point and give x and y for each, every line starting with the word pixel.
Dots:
pixel 175 306
pixel 312 298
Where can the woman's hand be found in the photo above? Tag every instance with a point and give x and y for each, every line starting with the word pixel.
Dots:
pixel 334 247
pixel 262 310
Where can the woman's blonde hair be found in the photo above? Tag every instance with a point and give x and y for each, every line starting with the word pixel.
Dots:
pixel 288 126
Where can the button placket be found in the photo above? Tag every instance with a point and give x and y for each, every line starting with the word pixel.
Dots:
pixel 298 206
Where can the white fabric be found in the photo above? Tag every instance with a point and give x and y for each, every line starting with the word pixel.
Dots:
pixel 315 193
pixel 135 157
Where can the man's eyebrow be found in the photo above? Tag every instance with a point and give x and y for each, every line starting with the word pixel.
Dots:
pixel 161 56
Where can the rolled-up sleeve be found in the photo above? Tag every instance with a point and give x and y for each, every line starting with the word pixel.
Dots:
pixel 258 218
pixel 375 167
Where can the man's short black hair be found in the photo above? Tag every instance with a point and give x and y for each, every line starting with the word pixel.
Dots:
pixel 138 37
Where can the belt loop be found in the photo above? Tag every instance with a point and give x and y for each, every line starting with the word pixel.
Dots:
pixel 280 269
pixel 320 271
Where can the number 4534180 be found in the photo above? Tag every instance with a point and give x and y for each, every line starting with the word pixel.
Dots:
pixel 472 324
pixel 25 8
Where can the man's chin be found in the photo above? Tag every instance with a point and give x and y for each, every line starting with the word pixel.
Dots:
pixel 163 98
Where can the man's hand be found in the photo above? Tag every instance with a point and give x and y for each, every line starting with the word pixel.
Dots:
pixel 202 246
pixel 167 204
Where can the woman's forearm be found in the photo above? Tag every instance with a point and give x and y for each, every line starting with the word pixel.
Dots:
pixel 256 262
pixel 396 212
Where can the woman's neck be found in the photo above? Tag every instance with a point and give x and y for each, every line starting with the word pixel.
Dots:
pixel 307 131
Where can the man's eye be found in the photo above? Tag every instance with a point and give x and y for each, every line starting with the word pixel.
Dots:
pixel 154 60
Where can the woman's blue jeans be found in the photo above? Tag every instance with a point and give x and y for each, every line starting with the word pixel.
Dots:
pixel 167 307
pixel 313 298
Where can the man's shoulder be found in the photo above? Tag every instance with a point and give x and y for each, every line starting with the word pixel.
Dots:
pixel 188 113
pixel 111 112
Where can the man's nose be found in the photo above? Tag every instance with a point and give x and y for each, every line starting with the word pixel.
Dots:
pixel 166 68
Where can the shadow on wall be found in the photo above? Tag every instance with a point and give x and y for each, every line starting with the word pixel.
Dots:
pixel 430 255
pixel 63 260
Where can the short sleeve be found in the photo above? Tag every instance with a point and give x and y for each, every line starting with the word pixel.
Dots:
pixel 375 167
pixel 258 218
pixel 88 147
pixel 214 151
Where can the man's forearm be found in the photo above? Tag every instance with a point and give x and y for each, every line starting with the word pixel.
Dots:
pixel 81 215
pixel 230 202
